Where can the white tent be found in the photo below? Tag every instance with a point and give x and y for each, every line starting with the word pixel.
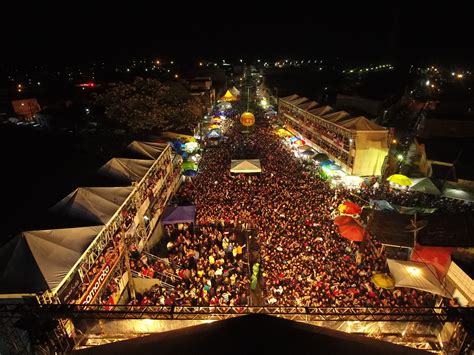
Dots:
pixel 415 275
pixel 37 260
pixel 148 150
pixel 93 204
pixel 425 185
pixel 235 91
pixel 250 166
pixel 458 194
pixel 126 170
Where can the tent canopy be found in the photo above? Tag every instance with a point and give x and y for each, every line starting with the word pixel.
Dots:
pixel 235 91
pixel 228 96
pixel 415 275
pixel 38 260
pixel 439 257
pixel 147 150
pixel 179 214
pixel 425 185
pixel 126 170
pixel 250 166
pixel 93 204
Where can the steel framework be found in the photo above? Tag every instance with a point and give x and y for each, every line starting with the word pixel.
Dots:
pixel 367 314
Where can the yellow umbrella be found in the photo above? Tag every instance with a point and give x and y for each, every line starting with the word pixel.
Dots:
pixel 383 281
pixel 400 179
pixel 283 132
pixel 213 126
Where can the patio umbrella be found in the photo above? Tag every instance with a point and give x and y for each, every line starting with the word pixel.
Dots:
pixel 293 139
pixel 309 152
pixel 383 281
pixel 190 173
pixel 191 147
pixel 321 157
pixel 342 220
pixel 352 231
pixel 283 132
pixel 299 142
pixel 329 164
pixel 400 179
pixel 349 207
pixel 189 165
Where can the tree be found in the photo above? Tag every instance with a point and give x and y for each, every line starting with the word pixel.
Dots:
pixel 147 104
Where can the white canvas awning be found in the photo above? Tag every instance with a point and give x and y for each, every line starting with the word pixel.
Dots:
pixel 250 166
pixel 127 170
pixel 415 275
pixel 35 261
pixel 92 204
pixel 148 150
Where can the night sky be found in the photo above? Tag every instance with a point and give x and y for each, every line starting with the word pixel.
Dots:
pixel 81 31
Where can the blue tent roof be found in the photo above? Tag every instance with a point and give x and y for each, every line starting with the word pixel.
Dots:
pixel 179 214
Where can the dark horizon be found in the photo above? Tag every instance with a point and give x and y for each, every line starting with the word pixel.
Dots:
pixel 362 33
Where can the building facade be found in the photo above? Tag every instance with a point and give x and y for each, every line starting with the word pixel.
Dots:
pixel 356 144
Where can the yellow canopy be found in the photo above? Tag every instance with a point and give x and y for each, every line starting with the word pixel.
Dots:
pixel 228 96
pixel 400 179
pixel 383 281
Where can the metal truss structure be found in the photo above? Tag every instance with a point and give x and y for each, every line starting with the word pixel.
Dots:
pixel 362 314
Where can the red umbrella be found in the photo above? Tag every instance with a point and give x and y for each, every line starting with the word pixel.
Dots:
pixel 342 220
pixel 352 231
pixel 351 208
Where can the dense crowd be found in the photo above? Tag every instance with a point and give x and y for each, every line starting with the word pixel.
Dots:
pixel 409 198
pixel 210 267
pixel 303 259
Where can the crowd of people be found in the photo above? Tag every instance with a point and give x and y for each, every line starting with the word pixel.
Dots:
pixel 303 259
pixel 410 198
pixel 210 266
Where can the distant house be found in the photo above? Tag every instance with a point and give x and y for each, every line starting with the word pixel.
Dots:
pixel 202 86
pixel 26 108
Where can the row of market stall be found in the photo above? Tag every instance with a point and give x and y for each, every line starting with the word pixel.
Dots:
pixel 84 241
